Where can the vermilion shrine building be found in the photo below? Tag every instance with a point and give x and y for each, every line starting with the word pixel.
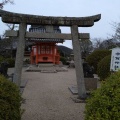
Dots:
pixel 44 50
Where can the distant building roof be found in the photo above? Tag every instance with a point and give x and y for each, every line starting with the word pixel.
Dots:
pixel 42 29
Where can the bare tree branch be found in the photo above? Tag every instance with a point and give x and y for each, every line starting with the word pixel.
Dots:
pixel 11 26
pixel 4 2
pixel 116 28
pixel 97 43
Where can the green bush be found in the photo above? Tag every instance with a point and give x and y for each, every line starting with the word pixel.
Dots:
pixel 103 68
pixel 104 103
pixel 11 62
pixel 94 58
pixel 1 59
pixel 10 100
pixel 27 61
pixel 63 60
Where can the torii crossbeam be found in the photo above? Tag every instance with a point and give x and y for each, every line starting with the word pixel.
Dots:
pixel 16 18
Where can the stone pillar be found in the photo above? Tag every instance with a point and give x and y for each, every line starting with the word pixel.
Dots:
pixel 78 62
pixel 50 29
pixel 20 54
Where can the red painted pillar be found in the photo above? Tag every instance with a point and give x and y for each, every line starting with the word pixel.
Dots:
pixel 53 49
pixel 37 54
pixel 55 54
pixel 31 61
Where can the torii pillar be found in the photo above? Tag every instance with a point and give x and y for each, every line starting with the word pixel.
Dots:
pixel 78 62
pixel 20 54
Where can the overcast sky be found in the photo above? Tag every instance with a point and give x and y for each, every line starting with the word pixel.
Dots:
pixel 109 10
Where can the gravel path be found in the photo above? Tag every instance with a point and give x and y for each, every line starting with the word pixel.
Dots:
pixel 48 98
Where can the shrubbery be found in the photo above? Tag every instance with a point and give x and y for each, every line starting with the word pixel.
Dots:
pixel 94 58
pixel 103 69
pixel 10 61
pixel 104 103
pixel 10 100
pixel 1 59
pixel 63 60
pixel 27 61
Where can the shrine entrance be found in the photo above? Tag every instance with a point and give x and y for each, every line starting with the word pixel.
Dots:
pixel 44 53
pixel 44 50
pixel 74 22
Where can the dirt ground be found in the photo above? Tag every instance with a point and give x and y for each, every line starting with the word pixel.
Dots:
pixel 47 97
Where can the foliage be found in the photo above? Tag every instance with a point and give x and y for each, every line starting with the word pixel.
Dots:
pixel 117 35
pixel 6 42
pixel 86 46
pixel 109 44
pixel 97 43
pixel 63 60
pixel 10 100
pixel 64 51
pixel 11 62
pixel 7 46
pixel 1 59
pixel 4 2
pixel 27 61
pixel 116 27
pixel 103 69
pixel 104 103
pixel 94 58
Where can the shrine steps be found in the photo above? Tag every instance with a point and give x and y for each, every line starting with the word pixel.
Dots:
pixel 49 68
pixel 46 65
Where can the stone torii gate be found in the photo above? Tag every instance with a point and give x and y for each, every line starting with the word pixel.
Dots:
pixel 74 22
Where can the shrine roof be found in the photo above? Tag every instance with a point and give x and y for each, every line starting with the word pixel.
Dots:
pixel 46 40
pixel 42 29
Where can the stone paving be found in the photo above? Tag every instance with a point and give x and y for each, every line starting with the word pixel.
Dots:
pixel 48 98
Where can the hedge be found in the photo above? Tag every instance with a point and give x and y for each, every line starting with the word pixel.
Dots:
pixel 94 58
pixel 103 68
pixel 10 100
pixel 63 60
pixel 10 61
pixel 104 103
pixel 1 59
